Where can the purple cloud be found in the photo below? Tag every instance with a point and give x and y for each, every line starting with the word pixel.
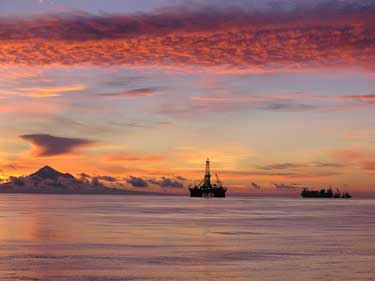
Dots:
pixel 137 182
pixel 48 145
pixel 283 186
pixel 165 182
pixel 255 186
pixel 143 92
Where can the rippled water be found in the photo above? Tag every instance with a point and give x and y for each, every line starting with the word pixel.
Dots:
pixel 63 237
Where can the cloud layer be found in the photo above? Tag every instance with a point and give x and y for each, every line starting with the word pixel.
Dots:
pixel 331 34
pixel 164 182
pixel 131 94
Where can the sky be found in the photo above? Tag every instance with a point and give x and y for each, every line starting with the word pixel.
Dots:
pixel 280 95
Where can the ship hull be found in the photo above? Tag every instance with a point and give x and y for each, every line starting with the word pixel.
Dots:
pixel 324 194
pixel 219 193
pixel 312 196
pixel 320 197
pixel 198 192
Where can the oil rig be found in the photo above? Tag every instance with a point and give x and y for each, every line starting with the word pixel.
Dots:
pixel 205 188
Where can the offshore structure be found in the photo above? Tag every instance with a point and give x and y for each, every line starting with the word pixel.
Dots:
pixel 306 193
pixel 205 188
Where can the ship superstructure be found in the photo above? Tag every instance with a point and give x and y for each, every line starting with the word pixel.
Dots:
pixel 205 188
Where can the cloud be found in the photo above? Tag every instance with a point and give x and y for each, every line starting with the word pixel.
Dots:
pixel 43 92
pixel 277 186
pixel 290 107
pixel 132 158
pixel 165 182
pixel 96 182
pixel 301 166
pixel 137 182
pixel 359 98
pixel 329 165
pixel 349 155
pixel 96 179
pixel 293 174
pixel 360 158
pixel 48 145
pixel 286 102
pixel 83 177
pixel 282 166
pixel 230 98
pixel 28 107
pixel 368 165
pixel 107 178
pixel 291 102
pixel 279 102
pixel 255 186
pixel 283 186
pixel 85 27
pixel 143 92
pixel 332 34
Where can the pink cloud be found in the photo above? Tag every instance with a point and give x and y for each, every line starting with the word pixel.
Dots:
pixel 321 36
pixel 361 98
pixel 369 165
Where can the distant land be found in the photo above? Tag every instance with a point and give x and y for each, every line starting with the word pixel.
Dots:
pixel 49 181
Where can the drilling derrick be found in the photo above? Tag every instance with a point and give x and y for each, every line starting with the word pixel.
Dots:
pixel 207 176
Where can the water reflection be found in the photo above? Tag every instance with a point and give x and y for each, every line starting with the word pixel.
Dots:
pixel 57 237
pixel 34 218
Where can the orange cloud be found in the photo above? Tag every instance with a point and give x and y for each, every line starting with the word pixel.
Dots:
pixel 349 155
pixel 361 98
pixel 141 159
pixel 341 37
pixel 361 158
pixel 369 165
pixel 43 92
pixel 28 107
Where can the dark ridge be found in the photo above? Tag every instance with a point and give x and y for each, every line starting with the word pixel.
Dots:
pixel 49 181
pixel 49 173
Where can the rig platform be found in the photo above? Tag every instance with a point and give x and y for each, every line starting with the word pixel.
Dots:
pixel 205 188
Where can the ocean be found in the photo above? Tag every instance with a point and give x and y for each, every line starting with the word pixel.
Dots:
pixel 155 238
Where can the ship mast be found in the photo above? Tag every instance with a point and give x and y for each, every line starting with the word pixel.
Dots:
pixel 207 175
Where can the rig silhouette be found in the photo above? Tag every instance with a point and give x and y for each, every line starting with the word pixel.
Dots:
pixel 205 188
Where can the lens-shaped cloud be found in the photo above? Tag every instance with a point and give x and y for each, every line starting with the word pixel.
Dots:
pixel 47 145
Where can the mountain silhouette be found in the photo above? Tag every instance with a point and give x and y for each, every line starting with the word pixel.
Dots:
pixel 49 173
pixel 50 181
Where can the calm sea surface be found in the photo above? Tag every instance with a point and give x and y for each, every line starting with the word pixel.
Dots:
pixel 62 237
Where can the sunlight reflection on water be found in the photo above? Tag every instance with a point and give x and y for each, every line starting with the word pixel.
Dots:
pixel 64 237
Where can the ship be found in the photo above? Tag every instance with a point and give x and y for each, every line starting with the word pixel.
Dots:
pixel 205 188
pixel 306 193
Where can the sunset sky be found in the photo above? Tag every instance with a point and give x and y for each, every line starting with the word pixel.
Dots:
pixel 278 94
